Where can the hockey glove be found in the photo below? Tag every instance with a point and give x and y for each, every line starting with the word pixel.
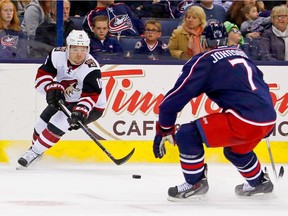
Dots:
pixel 162 135
pixel 79 114
pixel 54 93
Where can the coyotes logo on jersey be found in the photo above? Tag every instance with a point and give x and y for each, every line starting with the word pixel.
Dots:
pixel 70 87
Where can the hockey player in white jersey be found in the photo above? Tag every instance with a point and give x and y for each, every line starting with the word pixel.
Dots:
pixel 70 74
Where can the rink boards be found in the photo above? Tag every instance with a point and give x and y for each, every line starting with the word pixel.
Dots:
pixel 133 95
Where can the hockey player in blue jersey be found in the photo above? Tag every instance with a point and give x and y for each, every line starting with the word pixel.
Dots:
pixel 236 85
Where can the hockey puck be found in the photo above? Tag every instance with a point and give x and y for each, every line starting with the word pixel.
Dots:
pixel 136 176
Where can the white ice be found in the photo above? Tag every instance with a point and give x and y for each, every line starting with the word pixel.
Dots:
pixel 58 188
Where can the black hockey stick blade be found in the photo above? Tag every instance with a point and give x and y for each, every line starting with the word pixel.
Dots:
pixel 281 172
pixel 91 133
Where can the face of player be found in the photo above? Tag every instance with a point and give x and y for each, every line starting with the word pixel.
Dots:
pixel 152 33
pixel 280 21
pixel 77 54
pixel 100 29
pixel 7 12
pixel 192 21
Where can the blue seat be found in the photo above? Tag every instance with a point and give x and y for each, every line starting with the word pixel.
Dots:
pixel 128 43
pixel 167 24
pixel 78 22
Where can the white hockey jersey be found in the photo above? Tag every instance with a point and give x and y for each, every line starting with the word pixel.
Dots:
pixel 82 83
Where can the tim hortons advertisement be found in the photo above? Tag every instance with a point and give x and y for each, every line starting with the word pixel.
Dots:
pixel 134 93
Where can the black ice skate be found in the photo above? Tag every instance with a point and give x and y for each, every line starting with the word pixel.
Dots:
pixel 187 191
pixel 265 187
pixel 28 158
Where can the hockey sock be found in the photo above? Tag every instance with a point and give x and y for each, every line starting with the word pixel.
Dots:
pixel 191 151
pixel 247 165
pixel 45 141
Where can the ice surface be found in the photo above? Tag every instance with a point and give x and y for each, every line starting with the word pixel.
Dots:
pixel 106 189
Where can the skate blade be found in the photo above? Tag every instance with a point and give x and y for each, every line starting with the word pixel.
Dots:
pixel 259 196
pixel 188 199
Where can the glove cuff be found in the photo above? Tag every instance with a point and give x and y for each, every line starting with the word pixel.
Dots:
pixel 165 131
pixel 81 109
pixel 54 86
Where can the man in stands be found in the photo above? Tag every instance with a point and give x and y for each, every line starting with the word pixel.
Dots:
pixel 122 20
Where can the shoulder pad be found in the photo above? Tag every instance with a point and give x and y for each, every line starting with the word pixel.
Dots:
pixel 61 49
pixel 91 63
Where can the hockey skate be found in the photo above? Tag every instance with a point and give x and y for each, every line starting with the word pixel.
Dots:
pixel 28 158
pixel 187 191
pixel 265 187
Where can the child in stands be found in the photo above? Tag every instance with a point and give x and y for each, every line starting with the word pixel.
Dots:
pixel 254 25
pixel 102 46
pixel 151 46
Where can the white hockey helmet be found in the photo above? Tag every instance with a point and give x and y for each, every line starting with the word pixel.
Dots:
pixel 78 38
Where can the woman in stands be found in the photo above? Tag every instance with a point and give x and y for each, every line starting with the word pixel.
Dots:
pixel 274 41
pixel 185 40
pixel 13 40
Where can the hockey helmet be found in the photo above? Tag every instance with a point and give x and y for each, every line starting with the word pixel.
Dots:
pixel 78 38
pixel 214 34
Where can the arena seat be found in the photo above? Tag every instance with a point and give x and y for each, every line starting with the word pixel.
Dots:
pixel 128 43
pixel 78 22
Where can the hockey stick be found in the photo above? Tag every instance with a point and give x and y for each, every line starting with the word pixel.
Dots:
pixel 281 171
pixel 91 133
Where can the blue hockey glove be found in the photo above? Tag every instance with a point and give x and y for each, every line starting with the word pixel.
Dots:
pixel 54 93
pixel 162 135
pixel 79 114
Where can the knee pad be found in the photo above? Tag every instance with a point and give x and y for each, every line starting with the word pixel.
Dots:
pixel 189 140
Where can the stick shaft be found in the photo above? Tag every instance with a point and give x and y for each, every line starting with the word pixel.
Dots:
pixel 90 133
pixel 271 156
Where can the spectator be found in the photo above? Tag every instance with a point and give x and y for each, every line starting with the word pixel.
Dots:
pixel 151 47
pixel 151 8
pixel 47 31
pixel 13 40
pixel 81 8
pixel 213 11
pixel 225 4
pixel 233 14
pixel 21 5
pixel 185 40
pixel 122 21
pixel 102 46
pixel 235 38
pixel 234 34
pixel 274 41
pixel 179 7
pixel 36 12
pixel 254 25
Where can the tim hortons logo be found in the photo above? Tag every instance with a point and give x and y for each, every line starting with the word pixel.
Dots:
pixel 133 108
pixel 150 101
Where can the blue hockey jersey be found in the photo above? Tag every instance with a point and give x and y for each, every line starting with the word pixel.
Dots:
pixel 229 79
pixel 122 20
pixel 159 51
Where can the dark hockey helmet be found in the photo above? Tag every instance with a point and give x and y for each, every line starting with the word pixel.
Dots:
pixel 214 34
